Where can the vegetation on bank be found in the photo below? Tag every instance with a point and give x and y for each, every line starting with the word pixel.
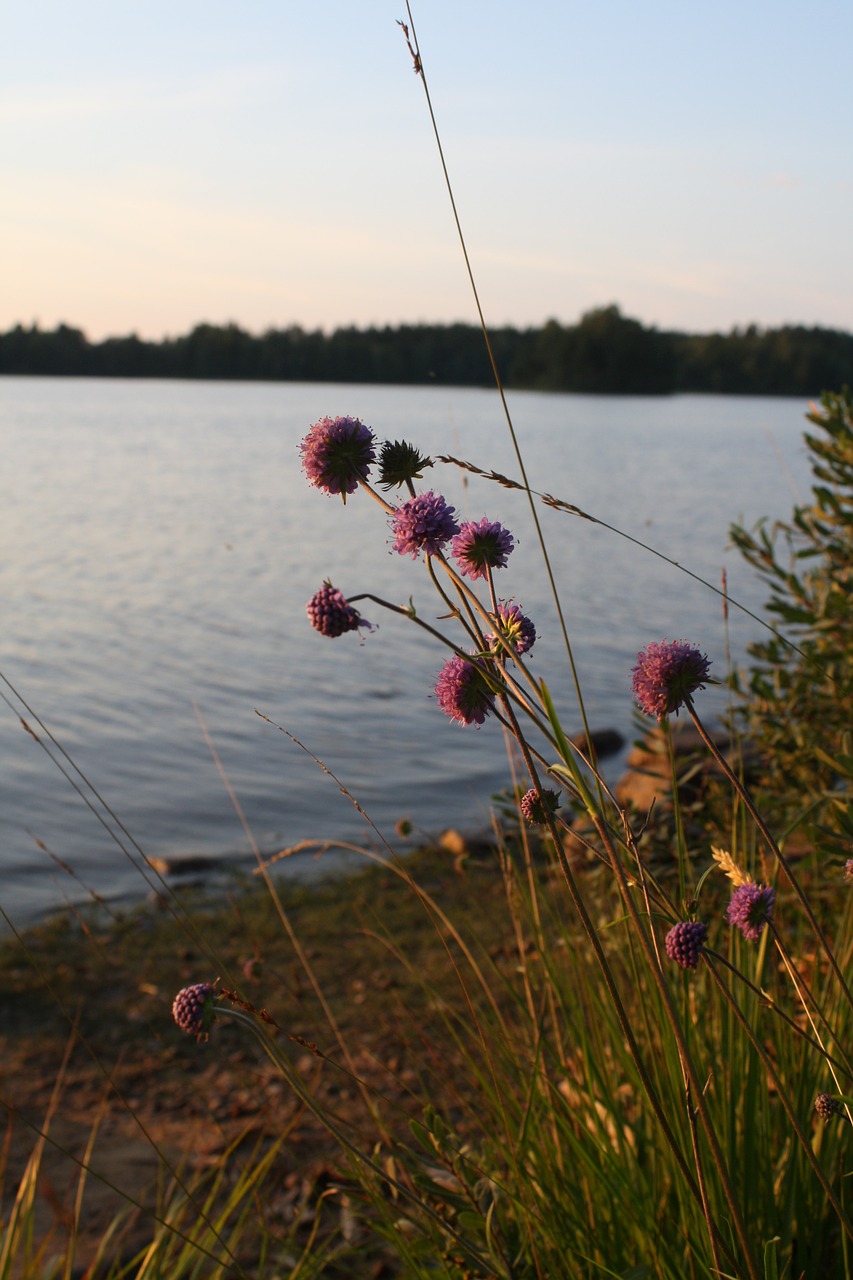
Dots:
pixel 605 352
pixel 616 1043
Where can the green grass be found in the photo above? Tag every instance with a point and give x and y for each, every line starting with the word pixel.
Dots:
pixel 476 1061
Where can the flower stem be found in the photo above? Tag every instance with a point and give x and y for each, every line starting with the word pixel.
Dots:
pixel 742 790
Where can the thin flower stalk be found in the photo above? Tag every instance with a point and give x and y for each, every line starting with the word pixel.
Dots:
pixel 653 959
pixel 646 880
pixel 769 1003
pixel 648 1084
pixel 470 599
pixel 498 686
pixel 392 863
pixel 742 790
pixel 493 595
pixel 285 1068
pixel 571 509
pixel 404 611
pixel 430 905
pixel 468 619
pixel 539 933
pixel 696 1083
pixel 681 844
pixel 700 1173
pixel 472 603
pixel 546 559
pixel 782 1094
pixel 386 506
pixel 469 595
pixel 807 998
pixel 284 917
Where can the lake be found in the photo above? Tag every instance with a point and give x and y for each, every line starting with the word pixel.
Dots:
pixel 160 543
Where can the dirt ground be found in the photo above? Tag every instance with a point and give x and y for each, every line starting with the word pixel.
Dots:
pixel 156 1105
pixel 150 1123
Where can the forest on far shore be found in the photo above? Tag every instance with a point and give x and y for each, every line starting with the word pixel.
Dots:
pixel 605 352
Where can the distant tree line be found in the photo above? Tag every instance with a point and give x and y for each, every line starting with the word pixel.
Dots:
pixel 604 352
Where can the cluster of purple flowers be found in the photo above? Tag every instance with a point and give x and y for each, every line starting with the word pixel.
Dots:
pixel 331 614
pixel 538 807
pixel 827 1106
pixel 193 1009
pixel 337 453
pixel 424 523
pixel 751 909
pixel 685 941
pixel 480 546
pixel 462 691
pixel 515 628
pixel 666 674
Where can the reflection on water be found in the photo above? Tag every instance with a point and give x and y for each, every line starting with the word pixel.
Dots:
pixel 160 545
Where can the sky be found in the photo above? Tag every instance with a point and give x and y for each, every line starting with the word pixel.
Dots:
pixel 169 162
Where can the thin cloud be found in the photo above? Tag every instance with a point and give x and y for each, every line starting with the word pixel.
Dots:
pixel 36 104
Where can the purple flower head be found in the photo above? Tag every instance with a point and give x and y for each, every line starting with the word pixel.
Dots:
pixel 826 1106
pixel 481 546
pixel 685 941
pixel 193 1009
pixel 515 627
pixel 848 870
pixel 424 523
pixel 331 614
pixel 462 691
pixel 538 808
pixel 751 908
pixel 337 453
pixel 666 674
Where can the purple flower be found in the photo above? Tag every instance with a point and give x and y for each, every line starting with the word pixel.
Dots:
pixel 337 453
pixel 515 627
pixel 462 691
pixel 666 674
pixel 481 546
pixel 331 614
pixel 424 523
pixel 848 870
pixel 826 1106
pixel 537 808
pixel 193 1010
pixel 751 908
pixel 685 941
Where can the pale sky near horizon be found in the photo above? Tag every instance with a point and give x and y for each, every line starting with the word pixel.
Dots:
pixel 272 162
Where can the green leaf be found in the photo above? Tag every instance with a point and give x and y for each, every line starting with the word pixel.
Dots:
pixel 565 748
pixel 771 1265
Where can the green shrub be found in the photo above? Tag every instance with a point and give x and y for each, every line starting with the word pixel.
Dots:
pixel 796 701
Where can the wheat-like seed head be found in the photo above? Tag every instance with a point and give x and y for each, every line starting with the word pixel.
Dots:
pixel 727 864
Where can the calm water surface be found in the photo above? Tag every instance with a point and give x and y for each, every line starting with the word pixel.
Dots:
pixel 159 545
